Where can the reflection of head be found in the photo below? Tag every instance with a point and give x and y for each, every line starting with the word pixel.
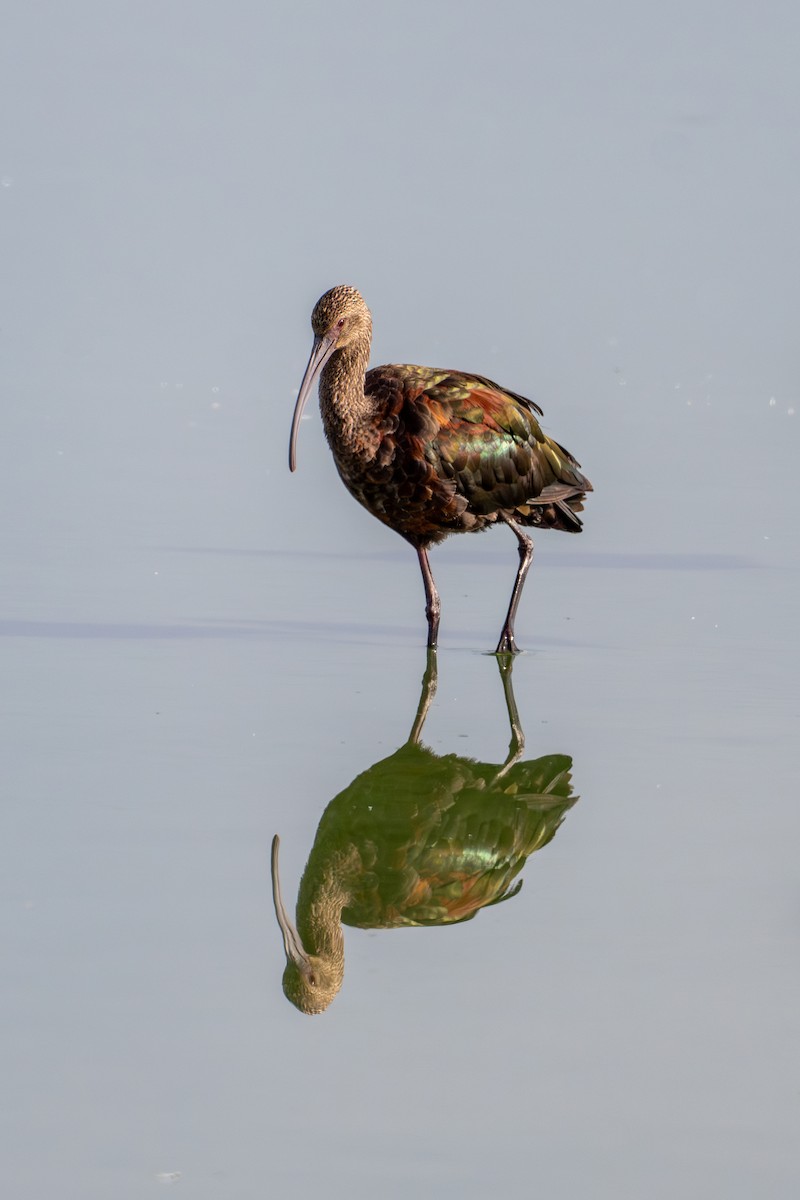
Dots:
pixel 311 989
pixel 309 980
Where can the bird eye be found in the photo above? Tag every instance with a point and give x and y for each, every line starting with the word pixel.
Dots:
pixel 312 979
pixel 340 323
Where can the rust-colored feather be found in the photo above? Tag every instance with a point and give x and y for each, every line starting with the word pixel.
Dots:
pixel 455 451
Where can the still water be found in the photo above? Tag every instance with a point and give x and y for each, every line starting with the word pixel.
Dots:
pixel 628 1016
pixel 554 909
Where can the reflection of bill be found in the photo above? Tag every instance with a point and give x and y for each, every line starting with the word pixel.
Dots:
pixel 417 839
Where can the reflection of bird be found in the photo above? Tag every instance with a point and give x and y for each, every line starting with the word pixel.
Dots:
pixel 432 452
pixel 417 840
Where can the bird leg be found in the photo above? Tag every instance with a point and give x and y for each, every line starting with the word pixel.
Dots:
pixel 507 645
pixel 433 606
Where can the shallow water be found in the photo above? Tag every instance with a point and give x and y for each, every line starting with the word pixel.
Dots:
pixel 201 651
pixel 630 1013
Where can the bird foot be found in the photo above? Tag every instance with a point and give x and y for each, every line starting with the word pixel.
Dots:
pixel 507 645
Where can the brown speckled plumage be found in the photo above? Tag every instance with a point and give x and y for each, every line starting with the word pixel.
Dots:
pixel 433 452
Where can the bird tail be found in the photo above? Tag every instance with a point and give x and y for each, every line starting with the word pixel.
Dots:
pixel 548 512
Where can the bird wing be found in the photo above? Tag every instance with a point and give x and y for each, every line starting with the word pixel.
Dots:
pixel 488 441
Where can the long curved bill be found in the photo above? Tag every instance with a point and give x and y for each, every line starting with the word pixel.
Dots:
pixel 321 351
pixel 291 938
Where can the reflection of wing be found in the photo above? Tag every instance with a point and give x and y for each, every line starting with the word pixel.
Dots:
pixel 439 838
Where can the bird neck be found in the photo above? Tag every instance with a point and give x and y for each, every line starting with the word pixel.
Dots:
pixel 345 407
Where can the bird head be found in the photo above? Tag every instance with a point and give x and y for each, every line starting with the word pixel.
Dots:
pixel 340 318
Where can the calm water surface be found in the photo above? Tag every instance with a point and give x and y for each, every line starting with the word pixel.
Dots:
pixel 629 1014
pixel 201 652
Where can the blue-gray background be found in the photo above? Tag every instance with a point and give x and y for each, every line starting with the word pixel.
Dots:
pixel 596 205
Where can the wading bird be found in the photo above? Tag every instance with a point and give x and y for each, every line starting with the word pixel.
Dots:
pixel 417 839
pixel 431 452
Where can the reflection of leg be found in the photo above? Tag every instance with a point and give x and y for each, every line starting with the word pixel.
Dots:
pixel 507 645
pixel 432 605
pixel 429 680
pixel 517 744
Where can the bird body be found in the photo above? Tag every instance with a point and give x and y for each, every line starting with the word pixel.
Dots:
pixel 448 451
pixel 432 452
